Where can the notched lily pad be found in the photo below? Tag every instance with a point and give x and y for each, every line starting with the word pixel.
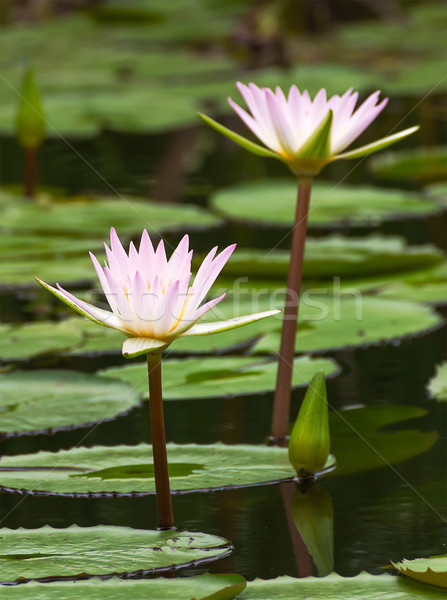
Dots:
pixel 334 587
pixel 47 552
pixel 39 400
pixel 347 322
pixel 128 469
pixel 215 377
pixel 198 587
pixel 432 570
pixel 272 202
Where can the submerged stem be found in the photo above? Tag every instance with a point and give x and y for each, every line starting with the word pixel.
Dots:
pixel 164 503
pixel 30 172
pixel 280 417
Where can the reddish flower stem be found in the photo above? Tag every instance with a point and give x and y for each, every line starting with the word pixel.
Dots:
pixel 281 405
pixel 162 488
pixel 30 172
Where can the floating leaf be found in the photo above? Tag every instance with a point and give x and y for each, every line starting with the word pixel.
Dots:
pixel 341 322
pixel 360 443
pixel 422 165
pixel 428 285
pixel 212 377
pixel 51 399
pixel 198 587
pixel 432 570
pixel 273 202
pixel 334 587
pixel 36 339
pixel 337 256
pixel 129 469
pixel 95 215
pixel 437 386
pixel 48 552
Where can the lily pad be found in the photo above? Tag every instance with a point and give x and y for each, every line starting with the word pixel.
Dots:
pixel 198 587
pixel 437 386
pixel 344 322
pixel 47 552
pixel 423 165
pixel 360 442
pixel 85 216
pixel 36 339
pixel 212 377
pixel 129 469
pixel 53 399
pixel 334 587
pixel 272 202
pixel 337 256
pixel 428 285
pixel 431 570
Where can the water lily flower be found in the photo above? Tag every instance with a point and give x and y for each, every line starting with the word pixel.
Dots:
pixel 152 303
pixel 151 299
pixel 306 134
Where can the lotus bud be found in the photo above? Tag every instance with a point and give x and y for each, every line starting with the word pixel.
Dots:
pixel 30 121
pixel 309 442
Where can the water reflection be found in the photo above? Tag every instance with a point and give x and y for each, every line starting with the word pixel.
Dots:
pixel 310 517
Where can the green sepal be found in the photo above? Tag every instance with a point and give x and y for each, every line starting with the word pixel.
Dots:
pixel 377 145
pixel 318 146
pixel 239 139
pixel 309 442
pixel 30 120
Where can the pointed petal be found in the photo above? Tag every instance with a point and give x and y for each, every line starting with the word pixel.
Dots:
pixel 377 145
pixel 95 314
pixel 136 346
pixel 206 328
pixel 250 146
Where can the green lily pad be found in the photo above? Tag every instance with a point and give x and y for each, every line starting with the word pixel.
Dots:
pixel 52 399
pixel 129 469
pixel 47 552
pixel 422 165
pixel 437 386
pixel 198 587
pixel 335 323
pixel 334 587
pixel 212 377
pixel 14 247
pixel 360 444
pixel 431 570
pixel 84 216
pixel 428 285
pixel 337 256
pixel 36 339
pixel 273 202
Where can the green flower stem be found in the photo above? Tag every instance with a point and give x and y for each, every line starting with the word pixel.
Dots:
pixel 30 171
pixel 162 488
pixel 281 405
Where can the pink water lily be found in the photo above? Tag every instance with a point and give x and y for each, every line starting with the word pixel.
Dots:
pixel 306 134
pixel 151 298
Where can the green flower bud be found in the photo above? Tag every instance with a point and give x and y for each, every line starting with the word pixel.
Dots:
pixel 30 121
pixel 309 442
